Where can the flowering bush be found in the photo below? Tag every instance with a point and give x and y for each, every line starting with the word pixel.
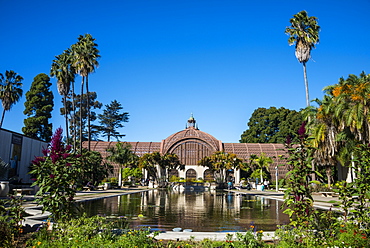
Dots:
pixel 57 173
pixel 11 217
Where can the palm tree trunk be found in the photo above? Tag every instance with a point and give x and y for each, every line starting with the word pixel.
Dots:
pixel 66 117
pixel 2 118
pixel 88 113
pixel 306 84
pixel 73 120
pixel 81 108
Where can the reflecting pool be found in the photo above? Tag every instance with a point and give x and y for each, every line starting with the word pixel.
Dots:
pixel 212 211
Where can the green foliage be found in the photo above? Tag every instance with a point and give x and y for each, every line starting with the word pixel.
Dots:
pixel 10 91
pixel 93 168
pixel 38 107
pixel 136 173
pixel 271 125
pixel 122 154
pixel 168 161
pixel 11 217
pixel 262 164
pixel 56 174
pixel 111 119
pixel 74 116
pixel 219 162
pixel 174 178
pixel 298 198
pixel 91 232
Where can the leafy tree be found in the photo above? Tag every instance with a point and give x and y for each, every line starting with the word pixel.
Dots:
pixel 112 119
pixel 75 115
pixel 122 155
pixel 85 54
pixel 10 91
pixel 94 169
pixel 272 125
pixel 132 172
pixel 38 106
pixel 166 162
pixel 304 33
pixel 63 70
pixel 220 162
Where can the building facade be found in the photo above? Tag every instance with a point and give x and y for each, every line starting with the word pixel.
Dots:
pixel 19 150
pixel 191 145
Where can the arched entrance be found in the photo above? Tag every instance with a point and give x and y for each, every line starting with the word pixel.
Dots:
pixel 208 175
pixel 191 174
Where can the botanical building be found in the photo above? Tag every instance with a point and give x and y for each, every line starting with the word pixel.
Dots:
pixel 191 145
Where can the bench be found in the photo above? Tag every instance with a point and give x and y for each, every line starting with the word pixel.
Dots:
pixel 26 191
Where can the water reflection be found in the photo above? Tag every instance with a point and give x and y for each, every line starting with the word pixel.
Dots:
pixel 199 211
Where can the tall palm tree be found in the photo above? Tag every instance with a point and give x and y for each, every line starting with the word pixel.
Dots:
pixel 304 33
pixel 10 91
pixel 85 61
pixel 63 70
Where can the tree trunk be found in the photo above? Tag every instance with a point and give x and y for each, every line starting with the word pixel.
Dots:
pixel 66 117
pixel 306 84
pixel 88 113
pixel 81 107
pixel 73 120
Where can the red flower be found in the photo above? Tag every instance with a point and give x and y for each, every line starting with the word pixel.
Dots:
pixel 52 176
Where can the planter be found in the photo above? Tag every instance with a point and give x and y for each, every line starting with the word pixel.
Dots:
pixel 4 188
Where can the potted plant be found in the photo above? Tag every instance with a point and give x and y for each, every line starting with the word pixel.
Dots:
pixel 4 183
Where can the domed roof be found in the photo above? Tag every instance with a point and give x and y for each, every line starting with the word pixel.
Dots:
pixel 190 133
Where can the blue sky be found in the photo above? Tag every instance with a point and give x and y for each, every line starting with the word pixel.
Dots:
pixel 163 60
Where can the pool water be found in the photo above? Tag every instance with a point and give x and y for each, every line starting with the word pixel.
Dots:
pixel 214 211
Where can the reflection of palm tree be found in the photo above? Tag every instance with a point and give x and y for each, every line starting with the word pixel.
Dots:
pixel 304 32
pixel 10 91
pixel 63 70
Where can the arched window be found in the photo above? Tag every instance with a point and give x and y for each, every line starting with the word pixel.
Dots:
pixel 208 175
pixel 191 174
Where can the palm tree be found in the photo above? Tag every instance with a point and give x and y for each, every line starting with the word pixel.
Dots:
pixel 63 70
pixel 220 162
pixel 85 61
pixel 263 162
pixel 304 33
pixel 10 91
pixel 122 155
pixel 149 162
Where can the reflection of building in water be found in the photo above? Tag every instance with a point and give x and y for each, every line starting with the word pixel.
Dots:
pixel 209 210
pixel 191 145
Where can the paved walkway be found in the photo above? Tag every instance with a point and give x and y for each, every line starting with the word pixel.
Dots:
pixel 37 217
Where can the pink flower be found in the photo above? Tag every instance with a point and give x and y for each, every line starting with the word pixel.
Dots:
pixel 65 155
pixel 68 164
pixel 302 131
pixel 52 176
